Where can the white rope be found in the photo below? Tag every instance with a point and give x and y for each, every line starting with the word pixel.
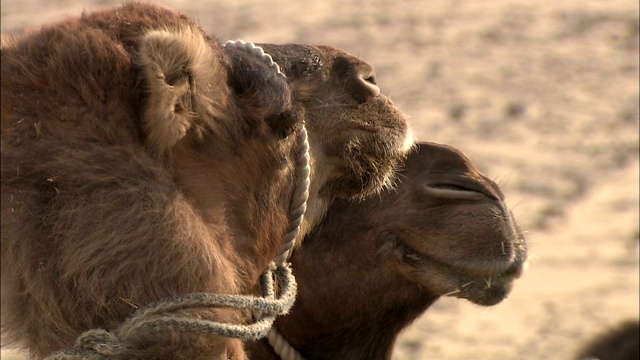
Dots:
pixel 282 347
pixel 157 317
pixel 256 50
pixel 299 203
pixel 299 198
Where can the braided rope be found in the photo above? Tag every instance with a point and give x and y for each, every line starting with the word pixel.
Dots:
pixel 256 50
pixel 156 317
pixel 303 170
pixel 281 346
pixel 299 198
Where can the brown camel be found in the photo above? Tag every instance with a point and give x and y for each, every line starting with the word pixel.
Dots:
pixel 621 342
pixel 141 159
pixel 370 268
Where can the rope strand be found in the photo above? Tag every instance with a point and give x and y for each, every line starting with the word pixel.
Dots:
pixel 298 205
pixel 282 347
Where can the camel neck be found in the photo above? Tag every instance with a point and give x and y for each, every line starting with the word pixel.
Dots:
pixel 369 336
pixel 366 336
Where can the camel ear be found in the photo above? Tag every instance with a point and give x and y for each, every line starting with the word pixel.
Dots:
pixel 173 63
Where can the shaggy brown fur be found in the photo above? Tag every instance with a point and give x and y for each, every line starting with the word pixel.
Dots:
pixel 371 268
pixel 140 160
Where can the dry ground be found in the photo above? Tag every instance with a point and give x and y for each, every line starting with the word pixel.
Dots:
pixel 543 95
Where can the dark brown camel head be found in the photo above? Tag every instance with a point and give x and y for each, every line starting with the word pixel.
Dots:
pixel 372 267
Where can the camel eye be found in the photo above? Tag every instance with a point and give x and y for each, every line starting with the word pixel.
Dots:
pixel 285 132
pixel 282 124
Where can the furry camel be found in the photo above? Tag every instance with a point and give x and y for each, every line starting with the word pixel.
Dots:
pixel 142 159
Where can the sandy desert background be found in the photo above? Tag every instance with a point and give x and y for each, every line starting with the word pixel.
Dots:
pixel 542 95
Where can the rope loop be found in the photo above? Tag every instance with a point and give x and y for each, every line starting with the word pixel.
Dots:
pixel 157 317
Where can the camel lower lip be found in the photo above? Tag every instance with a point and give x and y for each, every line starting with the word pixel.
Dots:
pixel 480 288
pixel 511 269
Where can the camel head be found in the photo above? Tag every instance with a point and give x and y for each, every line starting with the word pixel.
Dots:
pixel 372 267
pixel 356 133
pixel 445 228
pixel 449 230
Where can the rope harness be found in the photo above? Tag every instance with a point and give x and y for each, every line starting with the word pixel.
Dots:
pixel 156 317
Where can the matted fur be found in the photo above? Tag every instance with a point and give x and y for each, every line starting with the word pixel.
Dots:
pixel 140 160
pixel 370 268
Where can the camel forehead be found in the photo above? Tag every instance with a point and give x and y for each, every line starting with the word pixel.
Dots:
pixel 431 157
pixel 432 162
pixel 304 61
pixel 330 53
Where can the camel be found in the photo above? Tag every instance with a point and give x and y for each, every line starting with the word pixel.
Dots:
pixel 621 342
pixel 142 159
pixel 372 267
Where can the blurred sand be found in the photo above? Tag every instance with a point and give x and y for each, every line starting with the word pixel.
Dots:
pixel 542 95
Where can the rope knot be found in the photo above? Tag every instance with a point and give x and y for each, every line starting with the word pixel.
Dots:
pixel 100 341
pixel 97 339
pixel 95 344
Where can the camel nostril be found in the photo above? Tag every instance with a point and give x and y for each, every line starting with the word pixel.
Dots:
pixel 368 79
pixel 454 191
pixel 451 187
pixel 371 80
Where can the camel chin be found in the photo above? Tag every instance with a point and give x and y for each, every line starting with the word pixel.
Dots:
pixel 482 288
